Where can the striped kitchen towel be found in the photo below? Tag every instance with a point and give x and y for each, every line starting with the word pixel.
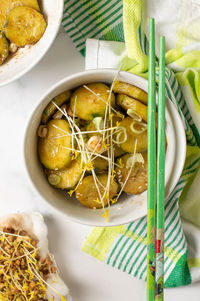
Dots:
pixel 95 19
pixel 124 247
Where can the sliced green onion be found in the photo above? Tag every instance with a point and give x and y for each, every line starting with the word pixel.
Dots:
pixel 133 159
pixel 122 130
pixel 133 114
pixel 98 122
pixel 141 125
pixel 54 179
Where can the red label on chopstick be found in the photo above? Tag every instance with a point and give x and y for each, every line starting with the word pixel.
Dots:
pixel 158 243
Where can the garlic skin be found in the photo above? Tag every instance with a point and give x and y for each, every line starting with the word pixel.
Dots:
pixel 33 223
pixel 95 145
pixel 42 131
pixel 13 48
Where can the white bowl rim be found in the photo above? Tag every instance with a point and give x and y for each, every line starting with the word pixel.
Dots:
pixel 37 60
pixel 44 96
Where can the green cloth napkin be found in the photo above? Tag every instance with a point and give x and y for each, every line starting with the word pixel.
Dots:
pixel 124 247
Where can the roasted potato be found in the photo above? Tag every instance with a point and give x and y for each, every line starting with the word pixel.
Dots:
pixel 118 151
pixel 53 149
pixel 129 145
pixel 24 26
pixel 127 102
pixel 51 108
pixel 87 192
pixel 137 181
pixel 97 124
pixel 66 178
pixel 7 5
pixel 92 127
pixel 4 48
pixel 130 90
pixel 100 163
pixel 87 105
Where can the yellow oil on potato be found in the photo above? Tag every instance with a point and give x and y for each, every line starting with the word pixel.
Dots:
pixel 24 26
pixel 4 48
pixel 7 5
pixel 53 149
pixel 87 105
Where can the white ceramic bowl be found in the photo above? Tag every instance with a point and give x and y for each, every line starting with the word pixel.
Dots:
pixel 26 58
pixel 129 208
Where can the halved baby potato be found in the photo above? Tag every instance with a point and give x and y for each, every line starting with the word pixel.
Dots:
pixel 130 90
pixel 137 181
pixel 51 108
pixel 25 26
pixel 66 178
pixel 129 145
pixel 7 5
pixel 53 149
pixel 127 102
pixel 4 48
pixel 87 105
pixel 88 195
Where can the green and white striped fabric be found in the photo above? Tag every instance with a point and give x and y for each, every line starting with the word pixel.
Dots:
pixel 124 247
pixel 94 19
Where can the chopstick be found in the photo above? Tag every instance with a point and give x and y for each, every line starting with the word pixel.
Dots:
pixel 151 164
pixel 156 172
pixel 160 174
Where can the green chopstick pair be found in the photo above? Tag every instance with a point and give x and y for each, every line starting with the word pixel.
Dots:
pixel 156 172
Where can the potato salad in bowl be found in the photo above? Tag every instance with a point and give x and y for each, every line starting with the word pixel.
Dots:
pixel 92 141
pixel 86 147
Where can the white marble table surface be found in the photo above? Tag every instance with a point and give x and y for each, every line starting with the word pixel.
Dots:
pixel 88 279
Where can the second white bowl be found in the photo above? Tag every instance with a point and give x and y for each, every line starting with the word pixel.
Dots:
pixel 26 58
